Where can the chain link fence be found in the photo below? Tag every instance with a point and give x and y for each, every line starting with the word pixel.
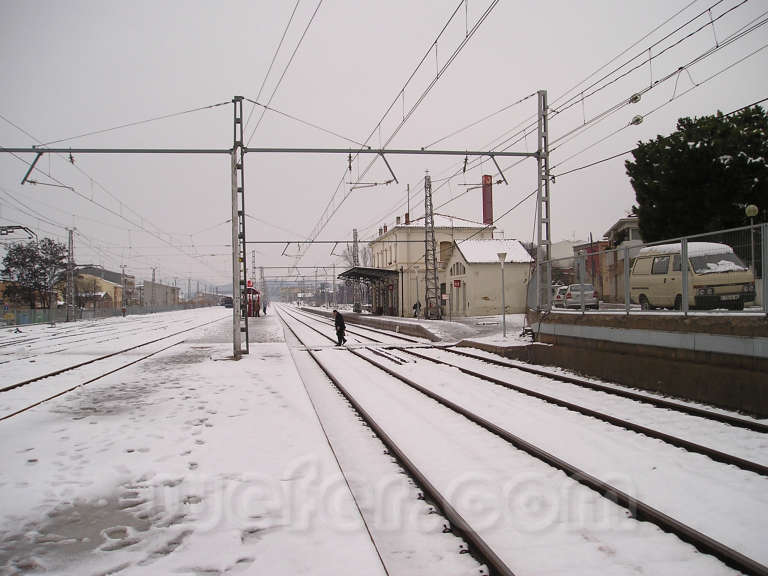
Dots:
pixel 23 316
pixel 726 273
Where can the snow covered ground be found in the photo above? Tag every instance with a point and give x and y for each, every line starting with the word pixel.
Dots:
pixel 190 463
pixel 186 463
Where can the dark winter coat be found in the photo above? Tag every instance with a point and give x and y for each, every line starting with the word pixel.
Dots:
pixel 339 321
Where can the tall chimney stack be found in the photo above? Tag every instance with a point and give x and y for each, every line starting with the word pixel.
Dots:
pixel 407 219
pixel 487 199
pixel 385 228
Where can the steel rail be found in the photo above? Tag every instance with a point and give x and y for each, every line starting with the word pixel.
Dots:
pixel 635 507
pixel 362 327
pixel 460 526
pixel 615 421
pixel 75 387
pixel 660 402
pixel 110 355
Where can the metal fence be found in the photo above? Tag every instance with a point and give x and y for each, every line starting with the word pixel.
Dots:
pixel 22 316
pixel 726 273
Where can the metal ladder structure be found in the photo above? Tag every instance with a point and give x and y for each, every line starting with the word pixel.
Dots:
pixel 544 244
pixel 239 272
pixel 432 288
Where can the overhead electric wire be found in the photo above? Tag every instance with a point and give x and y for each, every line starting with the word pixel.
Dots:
pixel 139 226
pixel 285 70
pixel 136 123
pixel 665 103
pixel 272 63
pixel 532 126
pixel 325 215
pixel 750 27
pixel 306 123
pixel 481 120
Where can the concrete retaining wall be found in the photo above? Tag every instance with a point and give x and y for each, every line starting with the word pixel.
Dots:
pixel 720 361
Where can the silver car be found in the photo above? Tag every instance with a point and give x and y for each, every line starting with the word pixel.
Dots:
pixel 578 292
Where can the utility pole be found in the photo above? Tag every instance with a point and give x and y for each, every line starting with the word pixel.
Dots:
pixel 239 272
pixel 122 284
pixel 432 288
pixel 263 286
pixel 544 244
pixel 152 295
pixel 71 276
pixel 189 289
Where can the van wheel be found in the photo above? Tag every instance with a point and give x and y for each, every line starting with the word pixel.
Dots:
pixel 678 302
pixel 644 304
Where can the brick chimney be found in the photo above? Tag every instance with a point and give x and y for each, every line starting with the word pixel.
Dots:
pixel 407 218
pixel 397 221
pixel 487 199
pixel 385 228
pixel 379 231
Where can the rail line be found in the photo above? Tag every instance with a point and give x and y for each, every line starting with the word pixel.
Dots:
pixel 104 357
pixel 645 398
pixel 668 438
pixel 478 546
pixel 637 508
pixel 318 317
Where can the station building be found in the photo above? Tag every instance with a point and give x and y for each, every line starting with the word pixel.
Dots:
pixel 474 277
pixel 396 277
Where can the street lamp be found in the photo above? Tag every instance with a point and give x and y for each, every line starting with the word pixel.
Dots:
pixel 502 257
pixel 751 211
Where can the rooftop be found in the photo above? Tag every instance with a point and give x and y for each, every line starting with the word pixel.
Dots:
pixel 486 251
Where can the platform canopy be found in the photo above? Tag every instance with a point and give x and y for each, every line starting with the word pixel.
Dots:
pixel 368 274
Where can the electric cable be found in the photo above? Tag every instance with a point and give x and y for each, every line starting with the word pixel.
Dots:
pixel 285 70
pixel 130 124
pixel 306 123
pixel 326 215
pixel 274 57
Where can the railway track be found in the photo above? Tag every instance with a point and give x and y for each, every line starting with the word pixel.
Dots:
pixel 393 365
pixel 105 365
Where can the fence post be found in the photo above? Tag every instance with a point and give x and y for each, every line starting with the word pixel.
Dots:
pixel 581 264
pixel 684 272
pixel 626 280
pixel 763 263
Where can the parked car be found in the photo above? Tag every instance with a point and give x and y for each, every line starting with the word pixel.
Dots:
pixel 576 293
pixel 227 301
pixel 717 278
pixel 558 300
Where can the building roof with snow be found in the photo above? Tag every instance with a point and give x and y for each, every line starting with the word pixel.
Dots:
pixel 486 251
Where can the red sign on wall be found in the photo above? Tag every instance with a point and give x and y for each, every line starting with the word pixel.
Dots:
pixel 457 283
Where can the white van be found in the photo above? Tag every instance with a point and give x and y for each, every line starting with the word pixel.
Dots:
pixel 717 278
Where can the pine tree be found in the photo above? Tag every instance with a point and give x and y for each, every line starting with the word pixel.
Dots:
pixel 30 268
pixel 701 177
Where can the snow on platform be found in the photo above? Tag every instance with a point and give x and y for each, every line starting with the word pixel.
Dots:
pixel 186 463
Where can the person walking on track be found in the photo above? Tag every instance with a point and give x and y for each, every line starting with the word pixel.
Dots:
pixel 340 327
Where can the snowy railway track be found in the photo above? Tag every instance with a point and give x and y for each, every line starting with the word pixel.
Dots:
pixel 618 391
pixel 361 331
pixel 57 385
pixel 637 508
pixel 725 458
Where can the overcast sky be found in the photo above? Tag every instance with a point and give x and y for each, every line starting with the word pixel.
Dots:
pixel 75 67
